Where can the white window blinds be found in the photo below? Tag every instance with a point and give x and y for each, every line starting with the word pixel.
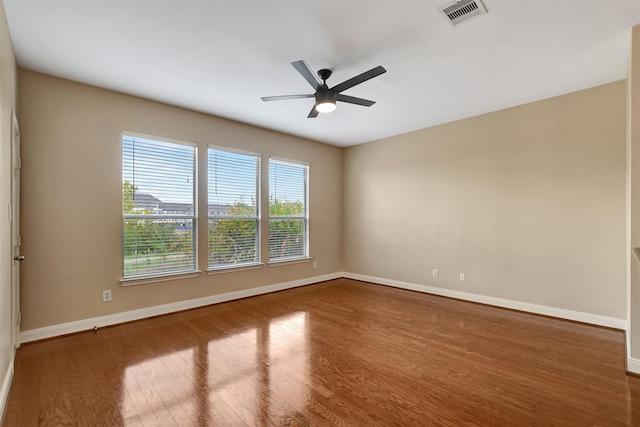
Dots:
pixel 233 208
pixel 288 210
pixel 158 207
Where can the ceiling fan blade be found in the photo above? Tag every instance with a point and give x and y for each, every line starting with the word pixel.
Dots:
pixel 285 97
pixel 314 113
pixel 374 72
pixel 354 100
pixel 307 73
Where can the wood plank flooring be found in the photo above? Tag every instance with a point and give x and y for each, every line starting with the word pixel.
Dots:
pixel 337 353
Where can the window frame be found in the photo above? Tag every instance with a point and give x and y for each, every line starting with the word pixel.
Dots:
pixel 167 274
pixel 258 218
pixel 305 218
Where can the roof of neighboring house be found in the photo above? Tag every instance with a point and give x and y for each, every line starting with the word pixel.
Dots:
pixel 147 200
pixel 143 198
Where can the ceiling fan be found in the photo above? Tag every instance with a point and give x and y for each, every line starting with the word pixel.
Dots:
pixel 326 97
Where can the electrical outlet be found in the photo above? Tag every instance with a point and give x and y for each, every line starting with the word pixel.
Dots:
pixel 315 264
pixel 435 273
pixel 463 277
pixel 106 295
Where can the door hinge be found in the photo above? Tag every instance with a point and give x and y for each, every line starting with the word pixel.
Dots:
pixel 19 163
pixel 19 319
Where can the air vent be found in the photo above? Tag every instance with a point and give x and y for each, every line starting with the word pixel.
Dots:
pixel 461 11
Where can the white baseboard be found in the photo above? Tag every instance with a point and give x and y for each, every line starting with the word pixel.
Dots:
pixel 594 319
pixel 112 319
pixel 633 365
pixel 4 391
pixel 127 316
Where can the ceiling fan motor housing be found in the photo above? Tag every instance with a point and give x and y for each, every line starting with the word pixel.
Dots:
pixel 324 94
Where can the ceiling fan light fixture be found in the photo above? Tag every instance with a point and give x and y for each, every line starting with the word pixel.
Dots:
pixel 326 106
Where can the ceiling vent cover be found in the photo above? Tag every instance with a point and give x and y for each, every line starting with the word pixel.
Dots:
pixel 461 11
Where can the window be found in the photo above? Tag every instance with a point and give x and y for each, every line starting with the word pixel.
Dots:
pixel 158 206
pixel 233 208
pixel 288 210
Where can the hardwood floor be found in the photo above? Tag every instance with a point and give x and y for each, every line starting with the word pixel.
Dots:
pixel 337 353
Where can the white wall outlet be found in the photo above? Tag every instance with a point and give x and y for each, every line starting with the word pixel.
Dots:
pixel 435 273
pixel 463 277
pixel 106 295
pixel 315 264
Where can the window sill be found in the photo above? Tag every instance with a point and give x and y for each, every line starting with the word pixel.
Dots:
pixel 235 268
pixel 289 261
pixel 152 279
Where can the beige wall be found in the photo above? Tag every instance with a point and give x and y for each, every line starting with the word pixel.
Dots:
pixel 7 104
pixel 71 199
pixel 633 146
pixel 529 202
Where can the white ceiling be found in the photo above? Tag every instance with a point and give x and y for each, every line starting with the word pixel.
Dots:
pixel 220 57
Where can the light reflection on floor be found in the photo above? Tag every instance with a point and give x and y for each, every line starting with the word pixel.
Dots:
pixel 247 374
